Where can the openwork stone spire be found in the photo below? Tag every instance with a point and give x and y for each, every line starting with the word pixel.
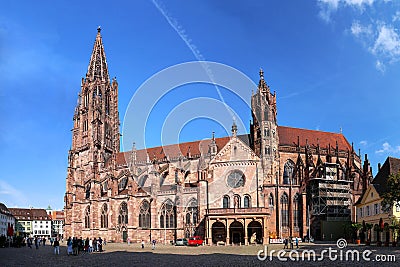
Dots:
pixel 97 68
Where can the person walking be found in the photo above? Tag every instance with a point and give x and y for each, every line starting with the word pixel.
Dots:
pixel 129 241
pixel 100 244
pixel 285 243
pixel 90 245
pixel 153 243
pixel 56 247
pixel 297 242
pixel 36 242
pixel 142 243
pixel 291 242
pixel 69 246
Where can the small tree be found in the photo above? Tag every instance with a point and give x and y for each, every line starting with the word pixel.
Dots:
pixel 392 195
pixel 355 228
pixel 394 226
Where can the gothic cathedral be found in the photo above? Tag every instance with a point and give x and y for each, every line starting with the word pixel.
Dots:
pixel 275 182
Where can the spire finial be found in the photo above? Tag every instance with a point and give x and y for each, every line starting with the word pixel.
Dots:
pixel 99 28
pixel 261 74
pixel 234 128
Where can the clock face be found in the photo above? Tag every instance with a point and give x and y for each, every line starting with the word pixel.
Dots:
pixel 235 179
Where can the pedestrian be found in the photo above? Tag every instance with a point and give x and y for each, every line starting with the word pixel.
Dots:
pixel 153 243
pixel 100 244
pixel 285 243
pixel 69 246
pixel 291 242
pixel 142 243
pixel 75 245
pixel 95 248
pixel 129 241
pixel 44 241
pixel 90 245
pixel 36 242
pixel 86 248
pixel 51 241
pixel 29 242
pixel 56 247
pixel 297 242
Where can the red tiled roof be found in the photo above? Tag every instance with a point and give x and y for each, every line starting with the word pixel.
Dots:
pixel 173 151
pixel 30 214
pixel 288 136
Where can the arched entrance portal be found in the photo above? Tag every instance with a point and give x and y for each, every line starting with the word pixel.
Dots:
pixel 236 233
pixel 254 232
pixel 218 232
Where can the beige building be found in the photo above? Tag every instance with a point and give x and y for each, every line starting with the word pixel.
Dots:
pixel 32 222
pixel 369 207
pixel 238 189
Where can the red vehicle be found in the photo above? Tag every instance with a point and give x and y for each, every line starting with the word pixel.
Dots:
pixel 195 241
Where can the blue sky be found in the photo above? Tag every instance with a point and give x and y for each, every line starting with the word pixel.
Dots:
pixel 333 63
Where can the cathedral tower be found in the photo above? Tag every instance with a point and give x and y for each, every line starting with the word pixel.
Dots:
pixel 263 130
pixel 95 133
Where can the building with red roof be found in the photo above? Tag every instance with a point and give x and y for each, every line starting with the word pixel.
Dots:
pixel 238 189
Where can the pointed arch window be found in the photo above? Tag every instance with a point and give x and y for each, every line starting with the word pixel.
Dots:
pixel 122 183
pixel 142 180
pixel 86 98
pixel 108 101
pixel 225 202
pixel 296 210
pixel 284 210
pixel 87 191
pixel 104 216
pixel 288 172
pixel 123 213
pixel 144 215
pixel 191 213
pixel 246 201
pixel 167 215
pixel 85 125
pixel 87 217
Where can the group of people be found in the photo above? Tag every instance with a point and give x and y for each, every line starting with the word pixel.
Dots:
pixel 290 242
pixel 76 245
pixel 153 244
pixel 37 240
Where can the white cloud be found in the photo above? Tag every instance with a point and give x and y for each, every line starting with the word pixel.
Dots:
pixel 387 148
pixel 363 142
pixel 361 31
pixel 11 195
pixel 387 43
pixel 396 17
pixel 328 7
pixel 376 31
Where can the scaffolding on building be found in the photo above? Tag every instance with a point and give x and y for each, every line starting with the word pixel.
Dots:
pixel 329 198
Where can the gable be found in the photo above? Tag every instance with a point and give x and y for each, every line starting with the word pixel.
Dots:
pixel 235 150
pixel 367 197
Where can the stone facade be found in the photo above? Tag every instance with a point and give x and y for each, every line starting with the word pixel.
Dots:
pixel 236 189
